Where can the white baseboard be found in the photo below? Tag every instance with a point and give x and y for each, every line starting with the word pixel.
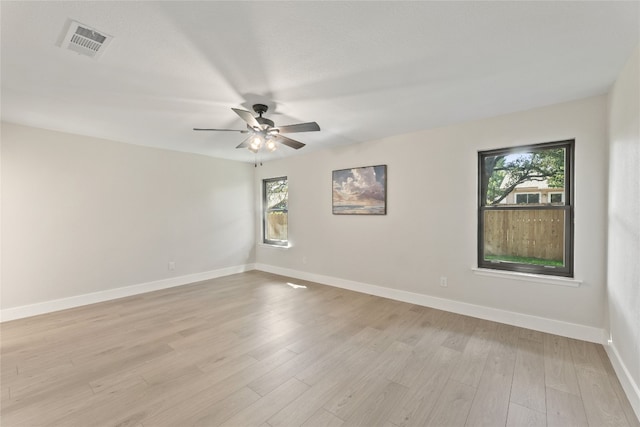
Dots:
pixel 557 327
pixel 630 387
pixel 20 312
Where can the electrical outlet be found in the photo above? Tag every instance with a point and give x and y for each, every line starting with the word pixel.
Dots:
pixel 172 265
pixel 304 259
pixel 443 282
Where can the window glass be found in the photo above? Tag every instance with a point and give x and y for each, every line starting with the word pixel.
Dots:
pixel 524 236
pixel 276 211
pixel 527 198
pixel 555 197
pixel 511 173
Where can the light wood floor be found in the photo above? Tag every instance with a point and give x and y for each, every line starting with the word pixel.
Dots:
pixel 250 350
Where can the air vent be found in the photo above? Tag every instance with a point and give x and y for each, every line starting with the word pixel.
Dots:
pixel 85 40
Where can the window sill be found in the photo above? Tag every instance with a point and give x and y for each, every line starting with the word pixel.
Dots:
pixel 528 277
pixel 267 245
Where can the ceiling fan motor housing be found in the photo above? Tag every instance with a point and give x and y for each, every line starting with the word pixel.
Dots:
pixel 261 109
pixel 264 121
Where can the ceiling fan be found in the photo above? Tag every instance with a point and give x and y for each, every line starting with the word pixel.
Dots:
pixel 263 134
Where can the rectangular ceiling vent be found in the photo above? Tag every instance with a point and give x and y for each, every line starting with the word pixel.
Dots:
pixel 85 40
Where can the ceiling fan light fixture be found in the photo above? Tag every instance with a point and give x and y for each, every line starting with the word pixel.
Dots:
pixel 256 143
pixel 271 145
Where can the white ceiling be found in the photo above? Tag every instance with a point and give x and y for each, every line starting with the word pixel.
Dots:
pixel 362 70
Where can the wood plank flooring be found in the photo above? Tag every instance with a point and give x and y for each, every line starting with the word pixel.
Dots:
pixel 251 350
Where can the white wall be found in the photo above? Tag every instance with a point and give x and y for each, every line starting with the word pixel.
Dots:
pixel 430 229
pixel 623 277
pixel 83 215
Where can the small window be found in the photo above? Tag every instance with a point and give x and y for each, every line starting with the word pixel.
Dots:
pixel 275 193
pixel 518 230
pixel 527 198
pixel 556 197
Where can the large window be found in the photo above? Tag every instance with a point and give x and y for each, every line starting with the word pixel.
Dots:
pixel 519 230
pixel 275 204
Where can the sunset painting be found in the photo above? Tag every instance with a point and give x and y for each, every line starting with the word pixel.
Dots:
pixel 360 191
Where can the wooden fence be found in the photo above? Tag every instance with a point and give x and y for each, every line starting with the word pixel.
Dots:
pixel 276 226
pixel 531 233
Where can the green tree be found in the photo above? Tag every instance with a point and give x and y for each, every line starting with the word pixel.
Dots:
pixel 277 194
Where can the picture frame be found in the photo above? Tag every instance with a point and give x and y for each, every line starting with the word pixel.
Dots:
pixel 360 191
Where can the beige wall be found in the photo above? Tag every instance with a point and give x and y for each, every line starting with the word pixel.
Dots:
pixel 430 229
pixel 623 277
pixel 83 215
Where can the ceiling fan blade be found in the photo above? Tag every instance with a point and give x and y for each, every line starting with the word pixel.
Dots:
pixel 244 144
pixel 289 142
pixel 224 130
pixel 300 127
pixel 247 117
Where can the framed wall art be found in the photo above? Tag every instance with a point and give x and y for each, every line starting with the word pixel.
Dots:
pixel 360 191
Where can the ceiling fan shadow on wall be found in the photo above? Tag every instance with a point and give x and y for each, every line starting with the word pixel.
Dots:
pixel 263 134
